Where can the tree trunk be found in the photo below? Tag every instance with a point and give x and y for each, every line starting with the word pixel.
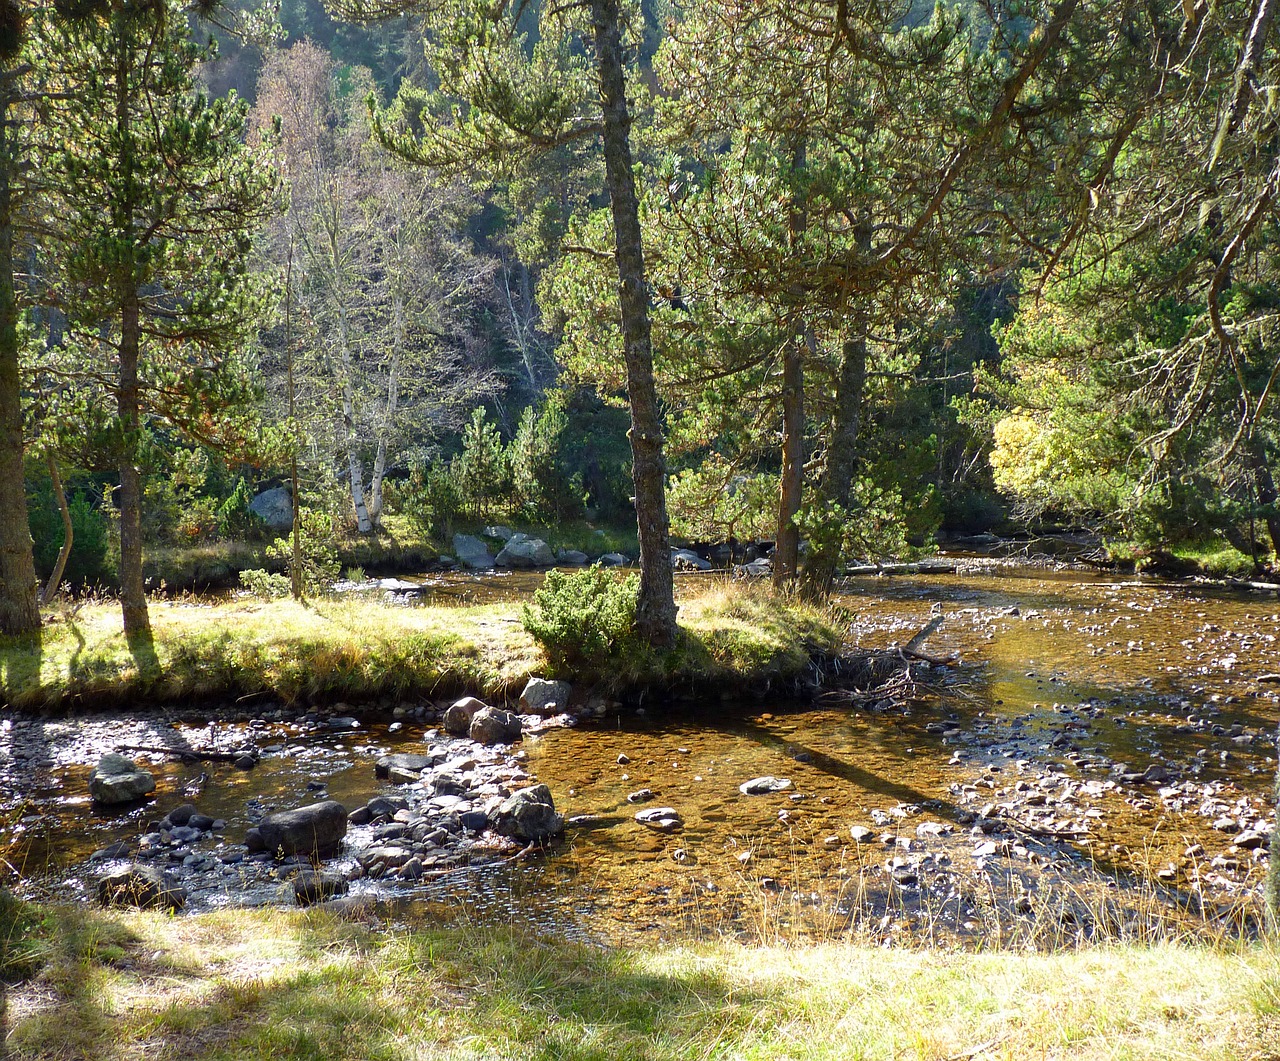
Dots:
pixel 19 607
pixel 786 553
pixel 68 531
pixel 295 557
pixel 363 522
pixel 842 457
pixel 133 594
pixel 1267 493
pixel 656 609
pixel 390 409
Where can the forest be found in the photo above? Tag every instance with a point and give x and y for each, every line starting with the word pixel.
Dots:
pixel 838 281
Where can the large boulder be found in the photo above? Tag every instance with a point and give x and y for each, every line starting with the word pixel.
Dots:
pixel 274 507
pixel 314 886
pixel 614 560
pixel 528 814
pixel 542 697
pixel 688 560
pixel 472 552
pixel 492 725
pixel 525 552
pixel 316 830
pixel 503 534
pixel 144 886
pixel 457 720
pixel 572 558
pixel 119 780
pixel 402 767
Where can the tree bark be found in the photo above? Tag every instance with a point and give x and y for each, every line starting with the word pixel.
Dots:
pixel 390 409
pixel 1268 496
pixel 842 458
pixel 363 522
pixel 133 594
pixel 656 609
pixel 68 531
pixel 19 607
pixel 786 553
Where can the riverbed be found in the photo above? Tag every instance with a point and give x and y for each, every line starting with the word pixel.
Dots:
pixel 1091 756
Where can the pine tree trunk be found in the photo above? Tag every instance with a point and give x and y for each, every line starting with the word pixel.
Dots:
pixel 656 609
pixel 1267 493
pixel 786 553
pixel 133 594
pixel 68 531
pixel 19 607
pixel 842 458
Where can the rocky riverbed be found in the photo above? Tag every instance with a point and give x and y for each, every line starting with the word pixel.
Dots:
pixel 1099 764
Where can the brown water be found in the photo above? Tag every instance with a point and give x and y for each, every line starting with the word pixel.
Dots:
pixel 1065 677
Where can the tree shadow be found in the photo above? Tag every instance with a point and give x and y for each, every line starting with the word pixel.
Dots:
pixel 21 661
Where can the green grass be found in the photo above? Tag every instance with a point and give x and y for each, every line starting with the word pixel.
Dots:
pixel 360 650
pixel 1214 558
pixel 310 985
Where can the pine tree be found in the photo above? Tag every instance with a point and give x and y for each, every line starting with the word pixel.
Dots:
pixel 152 201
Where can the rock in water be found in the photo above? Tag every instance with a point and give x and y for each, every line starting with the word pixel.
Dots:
pixel 457 720
pixel 572 558
pixel 119 780
pixel 688 560
pixel 316 830
pixel 311 886
pixel 472 552
pixel 542 697
pixel 529 814
pixel 532 552
pixel 759 786
pixel 664 819
pixel 493 726
pixel 142 886
pixel 403 764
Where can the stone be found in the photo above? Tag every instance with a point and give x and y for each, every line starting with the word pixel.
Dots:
pixel 181 815
pixel 503 534
pixel 274 507
pixel 120 849
pixel 143 886
pixel 407 762
pixel 663 819
pixel 614 560
pixel 314 830
pixel 1155 774
pixel 492 725
pixel 572 558
pixel 641 795
pixel 203 822
pixel 386 806
pixel 1252 838
pixel 532 552
pixel 457 719
pixel 472 553
pixel 760 786
pixel 312 886
pixel 528 814
pixel 861 834
pixel 688 560
pixel 119 780
pixel 542 697
pixel 760 568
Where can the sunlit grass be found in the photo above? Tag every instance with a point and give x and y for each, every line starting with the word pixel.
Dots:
pixel 357 649
pixel 285 984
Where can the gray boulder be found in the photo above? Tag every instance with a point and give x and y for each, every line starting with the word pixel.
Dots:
pixel 119 780
pixel 316 830
pixel 663 819
pixel 542 697
pixel 525 552
pixel 503 534
pixel 759 568
pixel 312 886
pixel 274 507
pixel 142 886
pixel 529 814
pixel 472 552
pixel 614 560
pixel 402 768
pixel 688 560
pixel 490 725
pixel 572 558
pixel 457 720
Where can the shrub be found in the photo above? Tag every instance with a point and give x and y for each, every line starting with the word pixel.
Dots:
pixel 318 551
pixel 584 616
pixel 87 563
pixel 265 584
pixel 235 520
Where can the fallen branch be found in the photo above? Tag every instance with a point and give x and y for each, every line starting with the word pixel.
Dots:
pixel 188 755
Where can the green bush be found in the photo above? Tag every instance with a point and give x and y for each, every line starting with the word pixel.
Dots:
pixel 318 551
pixel 235 520
pixel 87 564
pixel 584 616
pixel 268 585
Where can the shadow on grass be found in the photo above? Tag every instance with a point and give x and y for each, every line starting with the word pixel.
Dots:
pixel 20 661
pixel 430 993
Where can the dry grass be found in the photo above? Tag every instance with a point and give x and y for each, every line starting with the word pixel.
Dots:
pixel 310 985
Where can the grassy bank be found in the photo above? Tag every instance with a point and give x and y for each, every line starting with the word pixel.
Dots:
pixel 284 984
pixel 361 650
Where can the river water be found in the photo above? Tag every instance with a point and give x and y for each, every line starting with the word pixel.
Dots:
pixel 1099 762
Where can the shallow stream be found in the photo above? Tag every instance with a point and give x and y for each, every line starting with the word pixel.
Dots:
pixel 1101 758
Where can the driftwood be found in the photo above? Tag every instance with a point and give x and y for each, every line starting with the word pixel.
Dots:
pixel 188 755
pixel 887 674
pixel 902 569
